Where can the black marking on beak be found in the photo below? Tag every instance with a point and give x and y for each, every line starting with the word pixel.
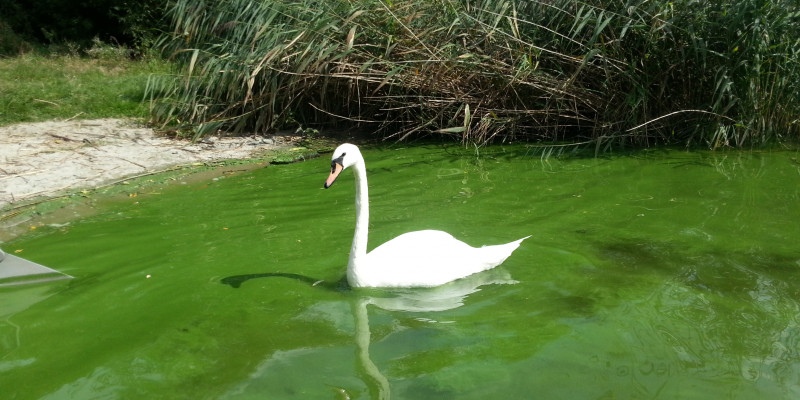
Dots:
pixel 336 168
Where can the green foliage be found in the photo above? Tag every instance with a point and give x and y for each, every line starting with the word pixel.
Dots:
pixel 142 21
pixel 738 60
pixel 132 23
pixel 10 42
pixel 714 73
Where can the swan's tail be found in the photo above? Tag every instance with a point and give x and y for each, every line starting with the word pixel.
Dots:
pixel 495 255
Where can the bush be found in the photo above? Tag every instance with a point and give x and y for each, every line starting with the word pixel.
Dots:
pixel 10 42
pixel 68 23
pixel 718 73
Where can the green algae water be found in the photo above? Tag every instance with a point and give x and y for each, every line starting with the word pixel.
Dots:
pixel 663 275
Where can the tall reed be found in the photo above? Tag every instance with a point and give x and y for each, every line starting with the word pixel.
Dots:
pixel 714 73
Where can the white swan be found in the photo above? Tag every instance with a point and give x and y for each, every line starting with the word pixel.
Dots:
pixel 421 258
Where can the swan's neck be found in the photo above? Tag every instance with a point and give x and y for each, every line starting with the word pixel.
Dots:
pixel 358 251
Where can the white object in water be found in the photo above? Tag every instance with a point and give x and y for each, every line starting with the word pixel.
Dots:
pixel 414 259
pixel 17 271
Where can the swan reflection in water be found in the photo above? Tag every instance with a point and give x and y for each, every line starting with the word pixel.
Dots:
pixel 439 298
pixel 401 300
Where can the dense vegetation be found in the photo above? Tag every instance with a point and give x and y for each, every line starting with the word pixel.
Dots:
pixel 722 73
pixel 713 73
pixel 56 25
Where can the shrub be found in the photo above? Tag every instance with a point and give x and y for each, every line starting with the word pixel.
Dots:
pixel 129 23
pixel 717 73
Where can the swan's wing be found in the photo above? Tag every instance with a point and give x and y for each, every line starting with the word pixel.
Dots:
pixel 429 258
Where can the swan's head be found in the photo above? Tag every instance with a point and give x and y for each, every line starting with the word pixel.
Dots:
pixel 343 157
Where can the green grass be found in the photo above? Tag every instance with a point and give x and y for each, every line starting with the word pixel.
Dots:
pixel 38 88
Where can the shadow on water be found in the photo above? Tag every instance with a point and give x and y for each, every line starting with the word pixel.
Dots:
pixel 236 281
pixel 700 302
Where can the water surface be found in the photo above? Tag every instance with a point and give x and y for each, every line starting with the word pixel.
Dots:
pixel 665 275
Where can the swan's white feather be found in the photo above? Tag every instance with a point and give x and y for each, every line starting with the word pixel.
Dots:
pixel 421 258
pixel 428 258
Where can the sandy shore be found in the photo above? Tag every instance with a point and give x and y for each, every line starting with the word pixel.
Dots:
pixel 46 159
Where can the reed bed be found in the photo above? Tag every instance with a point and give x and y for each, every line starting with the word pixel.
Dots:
pixel 721 73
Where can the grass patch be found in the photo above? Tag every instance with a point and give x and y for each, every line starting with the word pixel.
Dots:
pixel 38 88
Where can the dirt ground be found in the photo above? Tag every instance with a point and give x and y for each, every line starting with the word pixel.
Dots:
pixel 46 159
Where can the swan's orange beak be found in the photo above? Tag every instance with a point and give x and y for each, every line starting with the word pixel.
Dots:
pixel 336 168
